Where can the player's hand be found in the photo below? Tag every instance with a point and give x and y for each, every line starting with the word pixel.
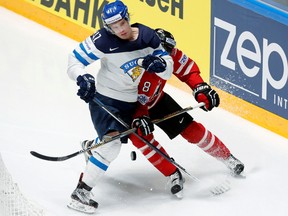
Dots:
pixel 204 93
pixel 87 88
pixel 144 125
pixel 154 64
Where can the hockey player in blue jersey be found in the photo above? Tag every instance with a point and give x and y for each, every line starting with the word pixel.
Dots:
pixel 118 46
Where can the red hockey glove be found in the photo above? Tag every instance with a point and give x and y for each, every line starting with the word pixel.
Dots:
pixel 204 93
pixel 144 125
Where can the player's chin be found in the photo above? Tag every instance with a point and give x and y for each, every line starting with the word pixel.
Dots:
pixel 123 36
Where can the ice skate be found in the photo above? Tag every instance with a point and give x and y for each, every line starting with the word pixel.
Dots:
pixel 86 144
pixel 81 199
pixel 235 165
pixel 176 183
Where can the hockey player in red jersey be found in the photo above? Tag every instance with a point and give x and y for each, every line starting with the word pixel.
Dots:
pixel 154 103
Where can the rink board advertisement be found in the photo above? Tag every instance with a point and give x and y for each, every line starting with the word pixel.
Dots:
pixel 79 18
pixel 249 56
pixel 87 13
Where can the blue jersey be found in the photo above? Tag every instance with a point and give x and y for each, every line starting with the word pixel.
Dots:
pixel 119 73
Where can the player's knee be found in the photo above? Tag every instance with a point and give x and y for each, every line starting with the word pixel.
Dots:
pixel 194 133
pixel 108 151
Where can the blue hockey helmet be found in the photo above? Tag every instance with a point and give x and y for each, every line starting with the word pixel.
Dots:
pixel 114 12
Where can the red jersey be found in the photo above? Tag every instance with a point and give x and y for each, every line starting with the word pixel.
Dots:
pixel 151 86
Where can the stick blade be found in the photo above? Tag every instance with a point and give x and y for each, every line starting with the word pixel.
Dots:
pixel 50 158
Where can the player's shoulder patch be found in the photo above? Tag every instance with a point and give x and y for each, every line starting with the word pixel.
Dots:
pixel 183 59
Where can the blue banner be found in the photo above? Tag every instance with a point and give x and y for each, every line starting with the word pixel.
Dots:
pixel 249 56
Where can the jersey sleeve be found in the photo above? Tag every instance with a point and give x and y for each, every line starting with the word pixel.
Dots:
pixel 83 55
pixel 145 94
pixel 169 68
pixel 153 41
pixel 150 90
pixel 141 110
pixel 186 69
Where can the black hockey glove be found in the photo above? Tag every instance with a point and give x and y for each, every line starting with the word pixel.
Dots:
pixel 144 125
pixel 87 88
pixel 154 64
pixel 204 93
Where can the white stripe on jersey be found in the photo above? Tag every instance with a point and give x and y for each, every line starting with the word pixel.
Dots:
pixel 119 74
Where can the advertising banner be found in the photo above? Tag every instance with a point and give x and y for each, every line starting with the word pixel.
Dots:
pixel 249 56
pixel 189 21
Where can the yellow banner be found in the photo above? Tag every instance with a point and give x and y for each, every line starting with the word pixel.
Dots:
pixel 188 21
pixel 85 13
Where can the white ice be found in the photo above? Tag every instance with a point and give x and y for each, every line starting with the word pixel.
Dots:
pixel 40 111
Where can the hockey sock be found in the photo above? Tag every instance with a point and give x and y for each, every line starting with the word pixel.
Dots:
pixel 160 163
pixel 197 134
pixel 92 174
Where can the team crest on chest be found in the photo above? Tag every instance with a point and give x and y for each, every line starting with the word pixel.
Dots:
pixel 132 69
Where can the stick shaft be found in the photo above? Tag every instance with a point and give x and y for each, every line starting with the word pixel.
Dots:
pixel 123 134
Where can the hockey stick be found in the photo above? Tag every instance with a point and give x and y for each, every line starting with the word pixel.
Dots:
pixel 219 189
pixel 107 140
pixel 96 145
pixel 95 100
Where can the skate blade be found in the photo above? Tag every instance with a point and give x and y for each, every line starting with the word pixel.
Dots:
pixel 75 205
pixel 239 176
pixel 179 195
